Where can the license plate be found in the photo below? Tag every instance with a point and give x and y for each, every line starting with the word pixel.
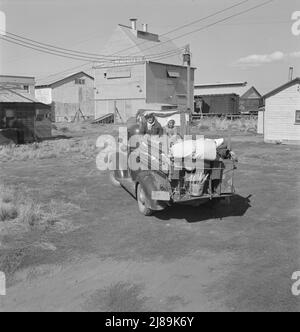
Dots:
pixel 160 196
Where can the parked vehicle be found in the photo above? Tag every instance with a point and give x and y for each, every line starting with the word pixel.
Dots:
pixel 171 181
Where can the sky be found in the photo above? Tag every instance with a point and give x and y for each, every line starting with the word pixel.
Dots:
pixel 257 47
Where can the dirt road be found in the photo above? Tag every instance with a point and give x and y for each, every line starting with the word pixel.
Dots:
pixel 110 258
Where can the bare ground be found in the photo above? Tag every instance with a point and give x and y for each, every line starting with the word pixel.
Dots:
pixel 105 256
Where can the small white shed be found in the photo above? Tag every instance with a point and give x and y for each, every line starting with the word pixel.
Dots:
pixel 281 116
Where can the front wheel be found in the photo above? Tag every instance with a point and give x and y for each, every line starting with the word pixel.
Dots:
pixel 142 202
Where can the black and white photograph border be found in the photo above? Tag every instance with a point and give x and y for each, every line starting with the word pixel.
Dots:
pixel 149 158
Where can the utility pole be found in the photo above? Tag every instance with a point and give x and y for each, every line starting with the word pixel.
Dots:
pixel 187 60
pixel 94 90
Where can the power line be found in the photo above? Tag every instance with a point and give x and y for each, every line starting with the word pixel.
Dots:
pixel 215 23
pixel 178 28
pixel 78 55
pixel 65 51
pixel 90 62
pixel 95 35
pixel 55 48
pixel 66 70
pixel 64 55
pixel 258 23
pixel 75 56
pixel 204 27
pixel 178 51
pixel 191 23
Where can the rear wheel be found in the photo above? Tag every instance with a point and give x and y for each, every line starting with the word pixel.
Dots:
pixel 142 203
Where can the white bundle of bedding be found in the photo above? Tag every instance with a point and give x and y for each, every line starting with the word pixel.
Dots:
pixel 205 149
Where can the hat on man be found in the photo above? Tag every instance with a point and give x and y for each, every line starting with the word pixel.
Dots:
pixel 149 115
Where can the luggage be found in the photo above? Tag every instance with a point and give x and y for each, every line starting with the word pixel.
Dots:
pixel 204 149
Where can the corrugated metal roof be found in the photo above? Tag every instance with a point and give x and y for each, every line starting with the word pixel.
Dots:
pixel 11 96
pixel 238 88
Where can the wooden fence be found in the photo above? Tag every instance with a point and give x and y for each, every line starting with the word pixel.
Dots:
pixel 198 117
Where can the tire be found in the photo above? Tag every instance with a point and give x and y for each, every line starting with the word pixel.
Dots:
pixel 142 204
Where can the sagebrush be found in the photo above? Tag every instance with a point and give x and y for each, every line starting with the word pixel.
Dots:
pixel 84 148
pixel 19 209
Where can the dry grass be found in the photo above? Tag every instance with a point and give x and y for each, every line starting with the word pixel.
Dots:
pixel 82 127
pixel 81 148
pixel 78 139
pixel 19 210
pixel 81 143
pixel 223 124
pixel 118 297
pixel 8 211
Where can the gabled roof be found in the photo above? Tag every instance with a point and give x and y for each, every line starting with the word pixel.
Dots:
pixel 250 92
pixel 141 44
pixel 239 88
pixel 11 96
pixel 57 80
pixel 282 87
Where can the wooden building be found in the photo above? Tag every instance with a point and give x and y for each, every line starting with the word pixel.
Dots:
pixel 217 104
pixel 22 84
pixel 126 85
pixel 23 118
pixel 71 97
pixel 224 98
pixel 250 101
pixel 279 120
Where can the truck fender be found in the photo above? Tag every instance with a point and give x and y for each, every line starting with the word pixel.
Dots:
pixel 154 181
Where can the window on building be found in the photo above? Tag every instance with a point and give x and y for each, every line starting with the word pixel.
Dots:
pixel 297 120
pixel 9 120
pixel 10 113
pixel 118 74
pixel 173 73
pixel 79 81
pixel 26 88
pixel 39 117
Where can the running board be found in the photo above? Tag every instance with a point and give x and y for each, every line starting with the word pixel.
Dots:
pixel 129 185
